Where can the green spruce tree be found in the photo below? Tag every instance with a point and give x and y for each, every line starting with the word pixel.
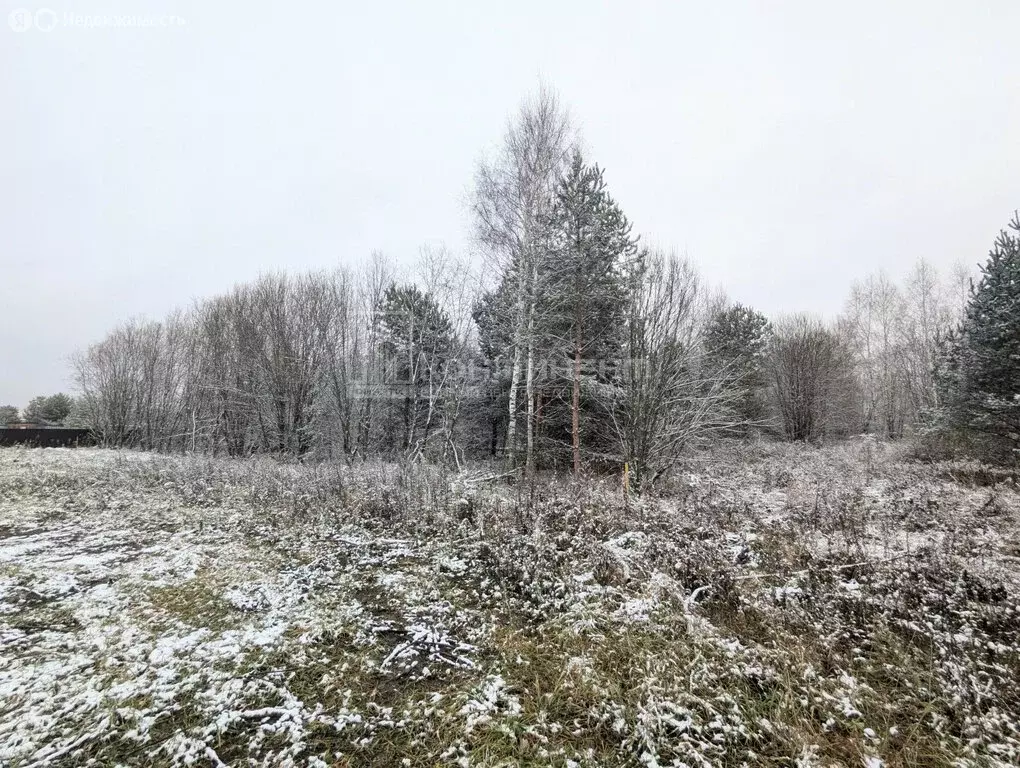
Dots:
pixel 988 358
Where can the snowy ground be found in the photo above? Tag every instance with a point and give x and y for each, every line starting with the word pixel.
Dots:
pixel 772 606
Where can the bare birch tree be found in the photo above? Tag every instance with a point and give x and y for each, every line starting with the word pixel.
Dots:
pixel 512 200
pixel 872 325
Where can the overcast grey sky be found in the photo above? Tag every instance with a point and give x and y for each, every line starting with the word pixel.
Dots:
pixel 789 148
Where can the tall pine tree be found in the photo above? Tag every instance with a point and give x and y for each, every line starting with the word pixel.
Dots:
pixel 584 292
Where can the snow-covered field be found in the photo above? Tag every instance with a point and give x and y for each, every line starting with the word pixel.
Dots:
pixel 774 605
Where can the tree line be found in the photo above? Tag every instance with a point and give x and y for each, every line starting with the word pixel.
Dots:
pixel 574 346
pixel 45 410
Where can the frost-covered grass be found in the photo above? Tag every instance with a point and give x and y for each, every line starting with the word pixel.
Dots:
pixel 770 605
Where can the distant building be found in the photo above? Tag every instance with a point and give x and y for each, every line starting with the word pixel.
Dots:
pixel 29 433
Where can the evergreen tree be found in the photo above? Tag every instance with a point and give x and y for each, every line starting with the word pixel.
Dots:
pixel 736 343
pixel 417 345
pixel 50 410
pixel 988 357
pixel 493 313
pixel 584 291
pixel 947 377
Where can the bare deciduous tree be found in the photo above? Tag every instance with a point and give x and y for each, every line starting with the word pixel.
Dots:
pixel 871 324
pixel 810 368
pixel 669 395
pixel 512 201
pixel 894 333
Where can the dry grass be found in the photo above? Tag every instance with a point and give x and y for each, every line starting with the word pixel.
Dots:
pixel 770 605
